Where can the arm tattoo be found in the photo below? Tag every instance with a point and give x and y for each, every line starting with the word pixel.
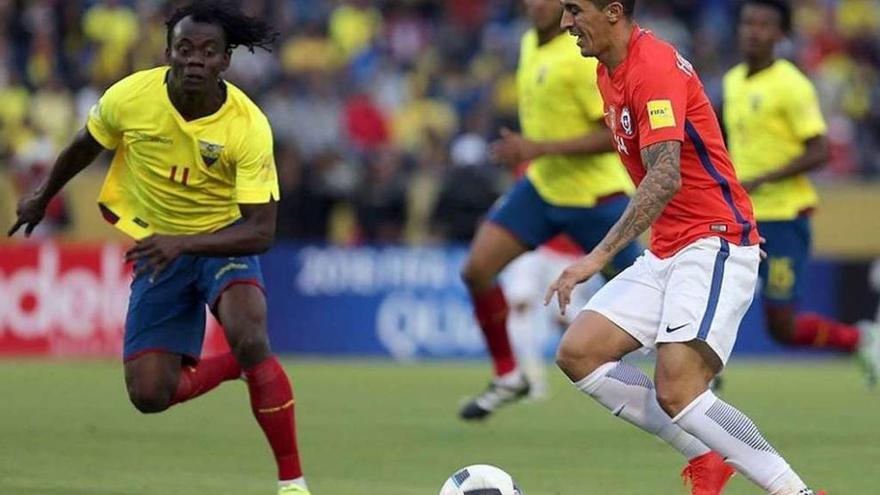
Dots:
pixel 662 181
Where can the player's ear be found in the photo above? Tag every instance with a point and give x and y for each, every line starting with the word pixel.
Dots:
pixel 780 34
pixel 614 11
pixel 227 58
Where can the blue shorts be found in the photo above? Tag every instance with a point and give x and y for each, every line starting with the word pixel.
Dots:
pixel 169 314
pixel 788 250
pixel 534 221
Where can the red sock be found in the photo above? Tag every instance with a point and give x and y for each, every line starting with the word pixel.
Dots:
pixel 205 376
pixel 491 310
pixel 272 404
pixel 813 330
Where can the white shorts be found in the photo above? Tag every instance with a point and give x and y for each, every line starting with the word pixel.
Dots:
pixel 701 293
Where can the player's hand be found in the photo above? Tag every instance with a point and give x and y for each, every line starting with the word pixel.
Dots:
pixel 30 212
pixel 513 149
pixel 751 185
pixel 761 242
pixel 576 273
pixel 156 253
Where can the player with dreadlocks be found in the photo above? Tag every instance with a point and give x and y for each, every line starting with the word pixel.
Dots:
pixel 193 181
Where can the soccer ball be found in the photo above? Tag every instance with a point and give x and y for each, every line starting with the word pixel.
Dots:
pixel 480 479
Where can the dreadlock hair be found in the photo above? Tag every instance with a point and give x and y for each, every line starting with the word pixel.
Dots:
pixel 239 28
pixel 629 6
pixel 781 6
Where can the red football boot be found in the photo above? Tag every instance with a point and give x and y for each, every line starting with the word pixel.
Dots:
pixel 708 474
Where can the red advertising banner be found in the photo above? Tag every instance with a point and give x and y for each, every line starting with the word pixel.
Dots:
pixel 66 300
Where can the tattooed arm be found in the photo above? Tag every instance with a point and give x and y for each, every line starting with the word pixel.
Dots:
pixel 663 179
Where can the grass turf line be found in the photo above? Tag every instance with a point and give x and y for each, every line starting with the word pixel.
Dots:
pixel 379 428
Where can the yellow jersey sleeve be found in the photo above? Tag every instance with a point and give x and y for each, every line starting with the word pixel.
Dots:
pixel 559 100
pixel 256 179
pixel 103 122
pixel 802 109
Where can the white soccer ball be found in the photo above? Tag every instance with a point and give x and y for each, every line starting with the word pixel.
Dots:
pixel 480 479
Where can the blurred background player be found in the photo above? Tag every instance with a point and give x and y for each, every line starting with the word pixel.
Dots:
pixel 776 135
pixel 193 180
pixel 688 294
pixel 532 325
pixel 573 185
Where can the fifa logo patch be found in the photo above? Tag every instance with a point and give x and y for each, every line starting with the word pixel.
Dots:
pixel 660 114
pixel 210 152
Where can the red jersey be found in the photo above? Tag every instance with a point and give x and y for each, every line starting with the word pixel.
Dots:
pixel 653 96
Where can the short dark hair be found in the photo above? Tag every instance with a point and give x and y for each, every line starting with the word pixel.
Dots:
pixel 781 6
pixel 629 6
pixel 239 28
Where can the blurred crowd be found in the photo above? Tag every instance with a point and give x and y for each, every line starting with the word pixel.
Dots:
pixel 383 110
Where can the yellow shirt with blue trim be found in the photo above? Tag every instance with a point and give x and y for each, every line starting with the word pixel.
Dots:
pixel 559 100
pixel 172 176
pixel 768 117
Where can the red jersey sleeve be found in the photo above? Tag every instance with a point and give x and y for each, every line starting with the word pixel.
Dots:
pixel 659 98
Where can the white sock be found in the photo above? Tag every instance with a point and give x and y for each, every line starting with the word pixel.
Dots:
pixel 527 337
pixel 301 481
pixel 733 435
pixel 514 378
pixel 629 393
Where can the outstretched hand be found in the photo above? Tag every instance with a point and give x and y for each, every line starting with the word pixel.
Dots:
pixel 576 273
pixel 30 212
pixel 751 185
pixel 513 149
pixel 156 253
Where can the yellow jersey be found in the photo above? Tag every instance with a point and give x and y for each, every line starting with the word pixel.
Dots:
pixel 170 176
pixel 559 100
pixel 768 117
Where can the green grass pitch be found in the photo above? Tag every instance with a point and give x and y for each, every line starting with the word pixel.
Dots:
pixel 370 428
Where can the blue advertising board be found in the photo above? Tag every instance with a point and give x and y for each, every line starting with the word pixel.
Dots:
pixel 409 303
pixel 406 303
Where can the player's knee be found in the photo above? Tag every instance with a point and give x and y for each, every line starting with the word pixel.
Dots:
pixel 779 334
pixel 246 325
pixel 475 277
pixel 250 351
pixel 248 339
pixel 671 399
pixel 150 399
pixel 576 361
pixel 579 354
pixel 520 308
pixel 675 394
pixel 780 324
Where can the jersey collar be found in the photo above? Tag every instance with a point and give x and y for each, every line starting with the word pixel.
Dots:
pixel 201 120
pixel 757 75
pixel 636 35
